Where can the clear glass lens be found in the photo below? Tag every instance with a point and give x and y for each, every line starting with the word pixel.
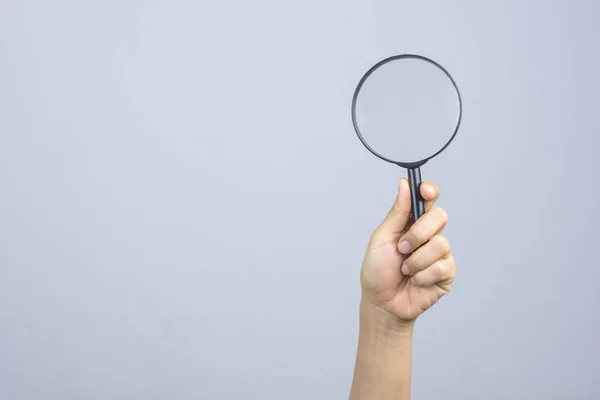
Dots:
pixel 407 110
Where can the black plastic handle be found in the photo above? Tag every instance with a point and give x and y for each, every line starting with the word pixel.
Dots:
pixel 418 206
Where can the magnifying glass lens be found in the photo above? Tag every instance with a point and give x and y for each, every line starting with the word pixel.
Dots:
pixel 407 110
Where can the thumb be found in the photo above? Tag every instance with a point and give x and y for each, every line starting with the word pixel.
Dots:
pixel 399 215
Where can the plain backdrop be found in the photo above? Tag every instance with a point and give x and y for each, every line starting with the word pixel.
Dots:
pixel 184 205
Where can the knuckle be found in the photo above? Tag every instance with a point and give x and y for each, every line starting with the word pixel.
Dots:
pixel 441 270
pixel 374 233
pixel 417 280
pixel 443 215
pixel 378 238
pixel 451 273
pixel 375 238
pixel 378 232
pixel 397 208
pixel 441 243
pixel 418 237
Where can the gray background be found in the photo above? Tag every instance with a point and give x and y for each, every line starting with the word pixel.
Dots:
pixel 184 206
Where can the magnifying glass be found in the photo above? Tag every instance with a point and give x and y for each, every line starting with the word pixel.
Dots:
pixel 406 110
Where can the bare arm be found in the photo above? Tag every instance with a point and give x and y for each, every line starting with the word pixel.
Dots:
pixel 399 283
pixel 383 360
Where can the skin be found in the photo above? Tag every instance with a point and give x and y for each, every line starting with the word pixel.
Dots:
pixel 398 285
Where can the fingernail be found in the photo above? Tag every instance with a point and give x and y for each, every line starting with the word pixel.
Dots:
pixel 405 269
pixel 404 247
pixel 414 281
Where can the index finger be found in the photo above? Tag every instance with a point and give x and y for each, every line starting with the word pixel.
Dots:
pixel 430 193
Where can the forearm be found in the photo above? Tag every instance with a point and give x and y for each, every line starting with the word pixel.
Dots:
pixel 383 361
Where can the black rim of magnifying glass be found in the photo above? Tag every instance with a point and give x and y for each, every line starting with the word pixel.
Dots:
pixel 414 164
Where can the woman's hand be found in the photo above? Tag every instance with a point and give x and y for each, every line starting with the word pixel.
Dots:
pixel 407 268
pixel 398 279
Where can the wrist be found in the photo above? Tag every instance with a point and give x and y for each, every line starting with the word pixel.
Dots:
pixel 377 319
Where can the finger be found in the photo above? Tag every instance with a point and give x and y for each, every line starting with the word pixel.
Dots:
pixel 424 229
pixel 436 249
pixel 398 216
pixel 430 193
pixel 441 273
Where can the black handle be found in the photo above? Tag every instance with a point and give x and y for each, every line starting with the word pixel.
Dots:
pixel 418 206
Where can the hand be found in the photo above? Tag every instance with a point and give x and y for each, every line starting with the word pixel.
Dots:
pixel 397 280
